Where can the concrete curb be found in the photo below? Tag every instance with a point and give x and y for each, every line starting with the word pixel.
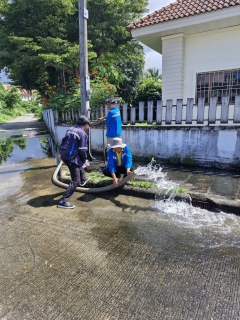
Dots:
pixel 203 200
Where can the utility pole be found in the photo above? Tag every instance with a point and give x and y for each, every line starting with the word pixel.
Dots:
pixel 84 77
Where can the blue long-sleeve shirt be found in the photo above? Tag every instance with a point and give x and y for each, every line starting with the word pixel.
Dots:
pixel 112 160
pixel 114 123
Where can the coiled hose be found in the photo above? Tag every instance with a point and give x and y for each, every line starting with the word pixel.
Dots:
pixel 63 185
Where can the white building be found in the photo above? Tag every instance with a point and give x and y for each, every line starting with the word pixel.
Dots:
pixel 26 95
pixel 200 45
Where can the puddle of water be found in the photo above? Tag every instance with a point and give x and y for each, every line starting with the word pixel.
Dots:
pixel 223 228
pixel 14 154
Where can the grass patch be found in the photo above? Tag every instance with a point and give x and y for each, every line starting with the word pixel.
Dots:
pixel 141 184
pixel 142 124
pixel 179 190
pixel 97 178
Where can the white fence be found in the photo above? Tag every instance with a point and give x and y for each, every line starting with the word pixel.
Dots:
pixel 180 114
pixel 212 146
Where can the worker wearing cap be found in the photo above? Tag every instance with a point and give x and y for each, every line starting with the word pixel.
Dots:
pixel 112 120
pixel 73 151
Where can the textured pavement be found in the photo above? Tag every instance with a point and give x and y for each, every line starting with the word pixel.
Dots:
pixel 112 257
pixel 116 256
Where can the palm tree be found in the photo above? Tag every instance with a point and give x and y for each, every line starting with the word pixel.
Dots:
pixel 153 73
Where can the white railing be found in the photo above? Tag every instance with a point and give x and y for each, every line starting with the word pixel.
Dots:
pixel 156 113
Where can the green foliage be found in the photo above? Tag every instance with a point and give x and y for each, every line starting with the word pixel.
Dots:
pixel 141 184
pixel 107 26
pixel 123 68
pixel 11 105
pixel 39 43
pixel 12 98
pixel 46 147
pixel 149 89
pixel 178 190
pixel 6 148
pixel 188 160
pixel 97 176
pixel 153 73
pixel 7 145
pixel 175 159
pixel 22 143
pixel 181 190
pixel 101 89
pixel 97 179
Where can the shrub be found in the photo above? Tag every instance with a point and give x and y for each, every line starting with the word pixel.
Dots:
pixel 149 89
pixel 100 88
pixel 188 160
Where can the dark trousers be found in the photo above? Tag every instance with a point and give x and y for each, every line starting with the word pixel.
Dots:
pixel 119 170
pixel 77 174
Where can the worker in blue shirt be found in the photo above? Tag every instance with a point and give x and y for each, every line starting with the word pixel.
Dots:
pixel 112 120
pixel 119 160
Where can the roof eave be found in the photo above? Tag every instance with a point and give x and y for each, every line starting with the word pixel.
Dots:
pixel 151 35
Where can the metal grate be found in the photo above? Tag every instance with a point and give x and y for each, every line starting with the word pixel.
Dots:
pixel 218 84
pixel 203 204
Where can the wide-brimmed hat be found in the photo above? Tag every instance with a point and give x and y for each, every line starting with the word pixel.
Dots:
pixel 117 143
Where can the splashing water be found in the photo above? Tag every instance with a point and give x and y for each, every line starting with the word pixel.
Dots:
pixel 222 227
pixel 154 172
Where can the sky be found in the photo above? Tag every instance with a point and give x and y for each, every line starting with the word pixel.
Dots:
pixel 152 58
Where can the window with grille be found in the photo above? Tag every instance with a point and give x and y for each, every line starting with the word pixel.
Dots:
pixel 218 84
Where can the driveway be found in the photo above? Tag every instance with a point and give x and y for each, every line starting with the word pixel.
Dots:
pixel 113 256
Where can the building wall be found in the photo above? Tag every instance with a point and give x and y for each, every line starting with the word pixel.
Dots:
pixel 173 63
pixel 186 55
pixel 209 51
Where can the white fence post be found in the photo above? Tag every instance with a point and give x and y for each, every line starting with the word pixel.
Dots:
pixel 125 113
pixel 189 111
pixel 169 112
pixel 159 112
pixel 200 110
pixel 133 115
pixel 212 110
pixel 225 109
pixel 150 112
pixel 179 108
pixel 236 117
pixel 141 111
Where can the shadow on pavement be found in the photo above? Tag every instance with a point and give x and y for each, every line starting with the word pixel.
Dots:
pixel 45 201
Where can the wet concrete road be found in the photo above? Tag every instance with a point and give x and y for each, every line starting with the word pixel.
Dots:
pixel 113 257
pixel 22 122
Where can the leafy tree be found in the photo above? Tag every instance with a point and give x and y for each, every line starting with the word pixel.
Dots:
pixel 149 89
pixel 37 34
pixel 11 105
pixel 153 73
pixel 101 89
pixel 123 69
pixel 12 98
pixel 108 21
pixel 42 37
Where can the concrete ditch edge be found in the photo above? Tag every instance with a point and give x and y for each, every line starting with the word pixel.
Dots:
pixel 211 201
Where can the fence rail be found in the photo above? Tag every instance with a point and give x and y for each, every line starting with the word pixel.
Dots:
pixel 154 112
